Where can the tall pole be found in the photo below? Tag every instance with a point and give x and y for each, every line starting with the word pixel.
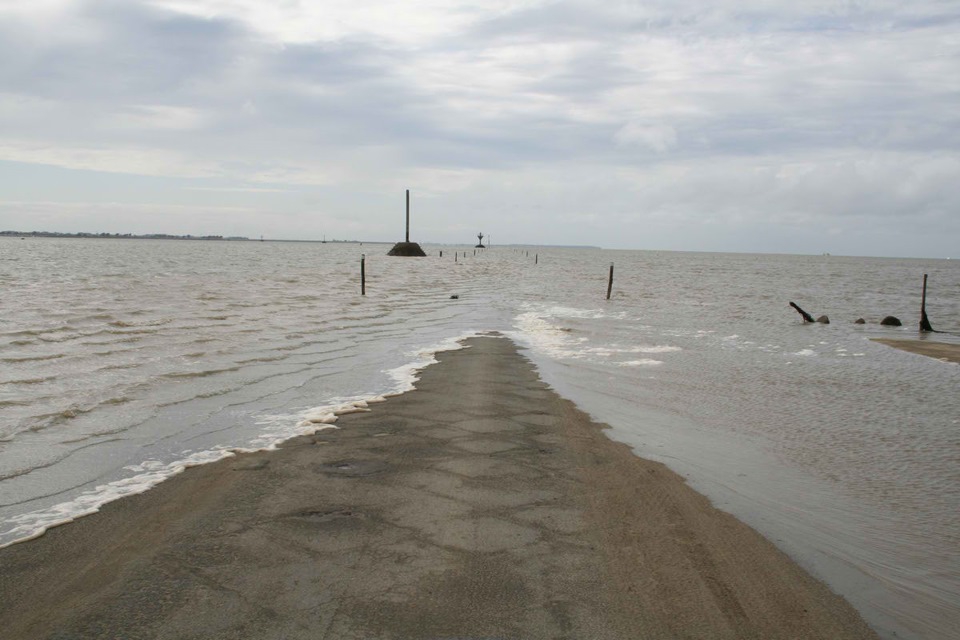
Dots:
pixel 408 215
pixel 924 321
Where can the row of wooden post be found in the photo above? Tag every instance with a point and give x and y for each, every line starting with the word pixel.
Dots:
pixel 924 321
pixel 536 258
pixel 889 320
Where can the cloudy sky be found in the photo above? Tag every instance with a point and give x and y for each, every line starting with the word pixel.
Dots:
pixel 723 125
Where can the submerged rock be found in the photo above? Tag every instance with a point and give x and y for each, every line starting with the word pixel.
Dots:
pixel 891 321
pixel 823 320
pixel 859 321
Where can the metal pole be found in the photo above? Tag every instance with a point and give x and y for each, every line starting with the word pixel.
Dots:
pixel 363 274
pixel 408 215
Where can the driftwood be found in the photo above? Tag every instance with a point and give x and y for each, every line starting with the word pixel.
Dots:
pixel 806 316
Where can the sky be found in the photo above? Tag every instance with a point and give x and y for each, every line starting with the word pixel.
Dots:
pixel 730 125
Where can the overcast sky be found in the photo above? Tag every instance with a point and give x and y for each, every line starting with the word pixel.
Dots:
pixel 723 125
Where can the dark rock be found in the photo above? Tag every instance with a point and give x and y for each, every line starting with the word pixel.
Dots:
pixel 454 297
pixel 891 321
pixel 859 321
pixel 407 249
pixel 823 320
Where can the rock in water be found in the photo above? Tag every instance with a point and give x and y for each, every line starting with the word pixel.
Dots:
pixel 891 321
pixel 823 320
pixel 859 321
pixel 407 249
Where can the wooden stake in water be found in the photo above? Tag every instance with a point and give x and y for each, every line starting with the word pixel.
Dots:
pixel 536 258
pixel 408 215
pixel 363 274
pixel 924 322
pixel 806 316
pixel 610 282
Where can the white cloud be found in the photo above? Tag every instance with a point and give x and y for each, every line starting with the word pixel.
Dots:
pixel 760 115
pixel 659 137
pixel 113 159
pixel 302 22
pixel 163 117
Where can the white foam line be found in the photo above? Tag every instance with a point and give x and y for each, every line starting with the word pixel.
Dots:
pixel 36 523
pixel 150 473
pixel 535 331
pixel 643 362
pixel 406 376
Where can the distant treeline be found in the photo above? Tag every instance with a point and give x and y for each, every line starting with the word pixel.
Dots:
pixel 149 236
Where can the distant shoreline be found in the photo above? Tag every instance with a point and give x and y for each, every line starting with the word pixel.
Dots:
pixel 158 236
pixel 117 236
pixel 166 236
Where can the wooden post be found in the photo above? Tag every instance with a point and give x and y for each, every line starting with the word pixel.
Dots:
pixel 363 274
pixel 610 282
pixel 806 316
pixel 924 322
pixel 536 258
pixel 456 254
pixel 408 215
pixel 441 253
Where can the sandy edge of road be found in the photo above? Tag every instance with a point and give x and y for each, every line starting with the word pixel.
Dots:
pixel 939 350
pixel 481 505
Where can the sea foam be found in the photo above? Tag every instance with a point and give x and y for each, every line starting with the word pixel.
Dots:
pixel 278 429
pixel 540 331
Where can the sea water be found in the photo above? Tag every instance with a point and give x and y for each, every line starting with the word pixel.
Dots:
pixel 124 361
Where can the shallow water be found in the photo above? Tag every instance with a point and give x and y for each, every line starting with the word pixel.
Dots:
pixel 123 361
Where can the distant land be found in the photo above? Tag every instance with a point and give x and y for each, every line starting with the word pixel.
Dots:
pixel 121 236
pixel 159 236
pixel 167 236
